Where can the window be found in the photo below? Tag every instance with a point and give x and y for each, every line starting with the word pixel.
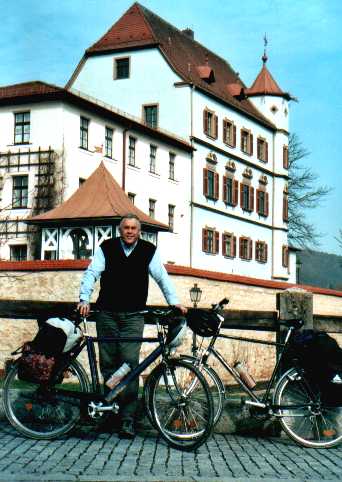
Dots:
pixel 246 197
pixel 245 248
pixel 210 123
pixel 229 133
pixel 131 197
pixel 153 155
pixel 121 68
pixel 21 127
pixel 285 256
pixel 109 142
pixel 171 216
pixel 210 184
pixel 20 192
pixel 285 207
pixel 228 245
pixel 151 116
pixel 285 157
pixel 230 190
pixel 246 142
pixel 18 252
pixel 261 251
pixel 172 158
pixel 152 208
pixel 262 149
pixel 84 125
pixel 131 151
pixel 262 202
pixel 210 241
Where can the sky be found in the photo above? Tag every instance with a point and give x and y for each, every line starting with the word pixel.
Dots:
pixel 45 41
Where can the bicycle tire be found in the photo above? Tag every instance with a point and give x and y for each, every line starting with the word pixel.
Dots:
pixel 181 404
pixel 312 422
pixel 215 383
pixel 36 411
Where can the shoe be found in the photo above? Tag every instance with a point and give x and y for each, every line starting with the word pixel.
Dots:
pixel 127 430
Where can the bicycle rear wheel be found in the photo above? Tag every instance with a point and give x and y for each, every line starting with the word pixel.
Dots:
pixel 40 412
pixel 306 414
pixel 181 404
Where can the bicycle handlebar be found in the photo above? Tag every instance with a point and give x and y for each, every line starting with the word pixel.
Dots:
pixel 219 306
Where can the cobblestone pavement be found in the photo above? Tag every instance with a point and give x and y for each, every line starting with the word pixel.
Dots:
pixel 90 456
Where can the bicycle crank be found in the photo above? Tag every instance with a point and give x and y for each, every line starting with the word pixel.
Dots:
pixel 97 409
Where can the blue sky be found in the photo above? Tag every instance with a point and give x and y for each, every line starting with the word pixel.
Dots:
pixel 45 40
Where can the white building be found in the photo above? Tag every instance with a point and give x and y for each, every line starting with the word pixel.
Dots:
pixel 224 188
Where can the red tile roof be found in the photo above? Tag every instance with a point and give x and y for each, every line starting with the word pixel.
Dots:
pixel 99 198
pixel 28 88
pixel 265 84
pixel 139 28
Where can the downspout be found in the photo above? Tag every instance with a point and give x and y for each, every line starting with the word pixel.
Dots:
pixel 123 184
pixel 192 175
pixel 273 201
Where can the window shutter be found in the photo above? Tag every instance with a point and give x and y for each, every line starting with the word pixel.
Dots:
pixel 234 247
pixel 235 192
pixel 205 181
pixel 285 157
pixel 266 204
pixel 265 253
pixel 204 240
pixel 285 208
pixel 205 121
pixel 224 131
pixel 240 247
pixel 241 195
pixel 250 249
pixel 257 201
pixel 241 139
pixel 224 252
pixel 251 198
pixel 234 138
pixel 215 126
pixel 266 151
pixel 217 242
pixel 224 190
pixel 256 250
pixel 216 187
pixel 251 144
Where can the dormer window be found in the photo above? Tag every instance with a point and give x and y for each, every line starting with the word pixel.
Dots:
pixel 150 113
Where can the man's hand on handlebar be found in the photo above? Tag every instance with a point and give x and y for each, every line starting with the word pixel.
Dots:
pixel 182 309
pixel 84 308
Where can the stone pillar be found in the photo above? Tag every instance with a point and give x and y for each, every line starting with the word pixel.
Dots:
pixel 296 303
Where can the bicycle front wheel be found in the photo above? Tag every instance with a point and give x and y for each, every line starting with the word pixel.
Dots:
pixel 307 416
pixel 41 412
pixel 181 404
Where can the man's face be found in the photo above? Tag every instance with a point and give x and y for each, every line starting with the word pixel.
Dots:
pixel 130 231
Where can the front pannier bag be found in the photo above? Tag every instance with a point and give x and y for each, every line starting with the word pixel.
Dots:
pixel 40 356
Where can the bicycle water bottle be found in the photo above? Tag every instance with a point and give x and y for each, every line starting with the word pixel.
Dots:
pixel 244 375
pixel 117 376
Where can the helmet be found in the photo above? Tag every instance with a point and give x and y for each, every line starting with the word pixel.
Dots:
pixel 202 322
pixel 176 332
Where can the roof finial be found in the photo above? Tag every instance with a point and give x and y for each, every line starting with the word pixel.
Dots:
pixel 264 58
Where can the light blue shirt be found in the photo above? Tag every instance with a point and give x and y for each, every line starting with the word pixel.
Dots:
pixel 156 269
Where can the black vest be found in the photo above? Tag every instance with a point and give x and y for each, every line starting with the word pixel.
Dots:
pixel 124 282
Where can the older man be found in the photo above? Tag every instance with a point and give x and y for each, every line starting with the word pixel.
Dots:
pixel 123 265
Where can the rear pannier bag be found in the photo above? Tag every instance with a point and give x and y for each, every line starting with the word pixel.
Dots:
pixel 40 356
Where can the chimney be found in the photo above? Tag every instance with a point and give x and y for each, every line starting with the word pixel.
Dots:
pixel 189 33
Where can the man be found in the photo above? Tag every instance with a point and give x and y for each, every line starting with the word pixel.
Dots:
pixel 123 265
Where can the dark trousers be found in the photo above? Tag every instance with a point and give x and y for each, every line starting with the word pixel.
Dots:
pixel 113 355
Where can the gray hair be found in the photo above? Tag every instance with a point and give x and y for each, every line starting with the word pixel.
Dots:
pixel 130 216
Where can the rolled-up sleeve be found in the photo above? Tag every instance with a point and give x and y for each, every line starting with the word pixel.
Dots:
pixel 91 275
pixel 159 274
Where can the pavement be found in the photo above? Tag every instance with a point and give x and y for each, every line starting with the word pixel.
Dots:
pixel 89 456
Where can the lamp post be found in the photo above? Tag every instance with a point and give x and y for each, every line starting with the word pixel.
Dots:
pixel 195 297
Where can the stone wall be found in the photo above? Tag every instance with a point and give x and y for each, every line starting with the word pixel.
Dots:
pixel 59 285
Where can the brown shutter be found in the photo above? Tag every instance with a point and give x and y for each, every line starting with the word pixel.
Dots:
pixel 205 121
pixel 266 254
pixel 240 247
pixel 217 242
pixel 250 249
pixel 216 186
pixel 205 181
pixel 241 137
pixel 224 131
pixel 234 247
pixel 241 195
pixel 266 204
pixel 224 189
pixel 251 145
pixel 215 126
pixel 266 151
pixel 235 192
pixel 204 240
pixel 256 250
pixel 251 198
pixel 257 201
pixel 285 208
pixel 234 139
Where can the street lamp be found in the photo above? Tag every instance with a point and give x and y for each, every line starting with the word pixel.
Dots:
pixel 195 296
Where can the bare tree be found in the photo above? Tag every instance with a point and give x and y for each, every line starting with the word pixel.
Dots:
pixel 339 238
pixel 304 194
